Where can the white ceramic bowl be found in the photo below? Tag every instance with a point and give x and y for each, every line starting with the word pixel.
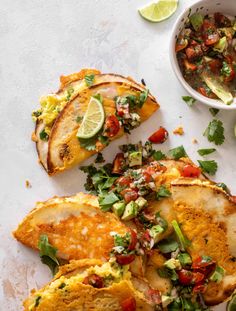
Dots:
pixel 206 7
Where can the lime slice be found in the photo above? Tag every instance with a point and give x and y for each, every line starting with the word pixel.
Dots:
pixel 159 11
pixel 93 119
pixel 232 304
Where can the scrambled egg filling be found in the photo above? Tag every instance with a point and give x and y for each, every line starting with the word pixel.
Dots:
pixel 110 271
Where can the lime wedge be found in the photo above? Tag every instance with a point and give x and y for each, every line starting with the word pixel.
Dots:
pixel 159 11
pixel 93 119
pixel 232 304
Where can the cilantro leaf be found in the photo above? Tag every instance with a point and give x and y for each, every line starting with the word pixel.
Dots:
pixel 43 135
pixel 70 91
pixel 178 152
pixel 189 100
pixel 89 80
pixel 214 111
pixel 223 186
pixel 168 245
pixel 163 192
pixel 88 144
pixel 79 119
pixel 99 158
pixel 48 253
pixel 206 151
pixel 158 155
pixel 107 200
pixel 143 97
pixel 209 167
pixel 215 132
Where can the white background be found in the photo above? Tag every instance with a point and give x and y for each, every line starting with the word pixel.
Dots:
pixel 41 40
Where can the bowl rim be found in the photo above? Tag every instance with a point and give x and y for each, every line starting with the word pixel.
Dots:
pixel 174 63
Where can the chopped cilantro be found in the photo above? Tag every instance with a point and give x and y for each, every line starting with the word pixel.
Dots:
pixel 107 200
pixel 88 144
pixel 79 119
pixel 223 186
pixel 70 91
pixel 203 152
pixel 215 132
pixel 143 97
pixel 168 245
pixel 161 221
pixel 178 152
pixel 162 192
pixel 99 158
pixel 164 272
pixel 158 155
pixel 103 139
pixel 189 100
pixel 209 167
pixel 89 80
pixel 43 135
pixel 225 70
pixel 214 111
pixel 48 253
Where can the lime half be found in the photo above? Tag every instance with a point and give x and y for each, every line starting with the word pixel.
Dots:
pixel 159 11
pixel 232 304
pixel 93 119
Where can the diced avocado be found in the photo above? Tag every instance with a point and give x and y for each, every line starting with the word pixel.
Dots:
pixel 173 264
pixel 196 20
pixel 231 306
pixel 141 202
pixel 155 232
pixel 217 275
pixel 221 45
pixel 218 89
pixel 135 158
pixel 184 259
pixel 118 208
pixel 166 300
pixel 131 211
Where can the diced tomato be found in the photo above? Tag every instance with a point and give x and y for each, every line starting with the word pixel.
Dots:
pixel 124 181
pixel 209 33
pixel 125 259
pixel 129 304
pixel 159 137
pixel 191 171
pixel 147 177
pixel 200 288
pixel 203 91
pixel 129 194
pixel 112 126
pixel 189 66
pixel 215 65
pixel 185 277
pixel 133 240
pixel 118 164
pixel 94 280
pixel 146 236
pixel 221 20
pixel 194 52
pixel 229 58
pixel 198 277
pixel 203 265
pixel 153 295
pixel 231 76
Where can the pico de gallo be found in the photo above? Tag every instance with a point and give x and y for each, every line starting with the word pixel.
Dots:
pixel 206 53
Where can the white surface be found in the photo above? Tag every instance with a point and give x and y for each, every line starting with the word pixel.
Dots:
pixel 40 40
pixel 206 7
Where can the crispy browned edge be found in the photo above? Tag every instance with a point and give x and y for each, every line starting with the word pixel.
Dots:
pixel 135 87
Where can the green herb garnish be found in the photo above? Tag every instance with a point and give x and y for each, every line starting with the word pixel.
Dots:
pixel 70 91
pixel 48 253
pixel 189 100
pixel 107 200
pixel 43 135
pixel 225 70
pixel 214 111
pixel 79 119
pixel 209 167
pixel 158 155
pixel 215 132
pixel 99 158
pixel 203 152
pixel 163 192
pixel 89 80
pixel 178 152
pixel 168 245
pixel 143 97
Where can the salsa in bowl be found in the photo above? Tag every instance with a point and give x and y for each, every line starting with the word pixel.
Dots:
pixel 203 53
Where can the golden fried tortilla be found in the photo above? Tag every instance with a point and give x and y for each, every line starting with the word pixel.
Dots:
pixel 63 150
pixel 74 225
pixel 67 291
